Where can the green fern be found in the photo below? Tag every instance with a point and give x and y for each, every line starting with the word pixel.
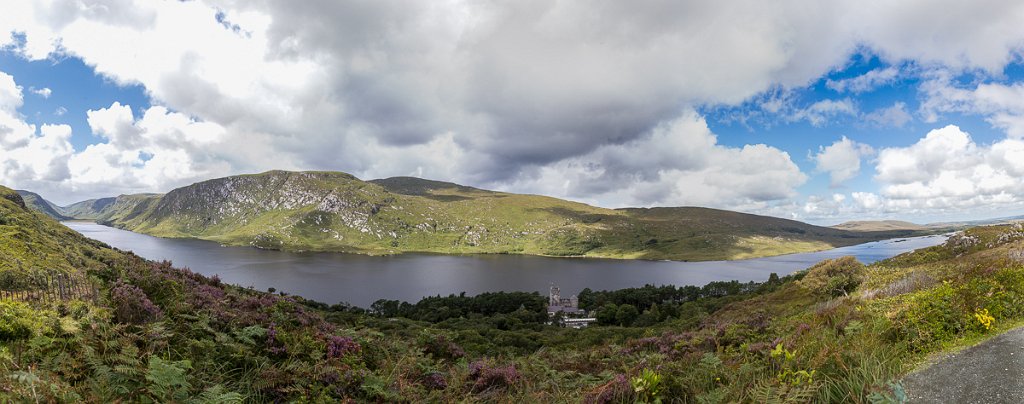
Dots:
pixel 770 391
pixel 217 395
pixel 167 380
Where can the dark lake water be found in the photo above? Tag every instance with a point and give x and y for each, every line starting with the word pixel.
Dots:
pixel 361 280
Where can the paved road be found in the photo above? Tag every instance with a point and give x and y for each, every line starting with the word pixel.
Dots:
pixel 991 372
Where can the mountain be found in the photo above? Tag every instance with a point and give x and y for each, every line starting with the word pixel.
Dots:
pixel 879 225
pixel 118 328
pixel 89 209
pixel 34 201
pixel 332 211
pixel 32 243
pixel 442 191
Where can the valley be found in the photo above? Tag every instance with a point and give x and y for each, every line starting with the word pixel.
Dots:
pixel 332 211
pixel 838 331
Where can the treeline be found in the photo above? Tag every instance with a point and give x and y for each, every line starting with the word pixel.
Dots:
pixel 637 307
pixel 524 306
pixel 650 305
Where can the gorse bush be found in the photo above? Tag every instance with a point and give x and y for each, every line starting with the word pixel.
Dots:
pixel 984 319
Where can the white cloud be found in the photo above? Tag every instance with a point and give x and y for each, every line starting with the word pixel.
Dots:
pixel 512 89
pixel 683 165
pixel 1002 105
pixel 29 154
pixel 841 160
pixel 895 116
pixel 947 171
pixel 821 112
pixel 158 149
pixel 867 81
pixel 10 94
pixel 44 92
pixel 943 176
pixel 867 201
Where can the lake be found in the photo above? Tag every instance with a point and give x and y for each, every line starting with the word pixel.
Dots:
pixel 361 280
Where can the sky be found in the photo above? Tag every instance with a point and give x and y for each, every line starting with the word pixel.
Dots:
pixel 818 111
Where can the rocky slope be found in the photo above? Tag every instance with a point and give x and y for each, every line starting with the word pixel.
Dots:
pixel 331 211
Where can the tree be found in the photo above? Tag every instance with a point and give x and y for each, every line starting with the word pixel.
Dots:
pixel 626 315
pixel 607 313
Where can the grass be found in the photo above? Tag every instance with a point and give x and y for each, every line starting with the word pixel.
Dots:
pixel 325 211
pixel 838 332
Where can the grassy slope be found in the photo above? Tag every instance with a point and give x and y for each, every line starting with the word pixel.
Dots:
pixel 841 332
pixel 37 202
pixel 879 225
pixel 859 343
pixel 327 211
pixel 88 210
pixel 32 244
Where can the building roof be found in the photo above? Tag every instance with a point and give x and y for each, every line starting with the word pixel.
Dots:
pixel 565 309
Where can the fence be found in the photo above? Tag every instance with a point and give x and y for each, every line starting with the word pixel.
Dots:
pixel 54 287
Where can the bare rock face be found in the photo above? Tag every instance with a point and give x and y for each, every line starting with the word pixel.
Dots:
pixel 1017 255
pixel 14 197
pixel 1014 234
pixel 961 243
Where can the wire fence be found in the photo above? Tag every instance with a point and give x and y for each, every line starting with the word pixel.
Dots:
pixel 53 287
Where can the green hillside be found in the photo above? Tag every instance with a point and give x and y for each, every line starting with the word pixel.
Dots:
pixel 37 202
pixel 879 225
pixel 88 210
pixel 330 211
pixel 837 332
pixel 32 246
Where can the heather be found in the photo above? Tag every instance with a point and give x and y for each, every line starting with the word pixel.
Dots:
pixel 837 332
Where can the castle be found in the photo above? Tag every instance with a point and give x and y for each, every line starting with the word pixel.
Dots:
pixel 572 315
pixel 558 304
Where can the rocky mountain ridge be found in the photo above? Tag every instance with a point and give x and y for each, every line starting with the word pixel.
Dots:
pixel 333 211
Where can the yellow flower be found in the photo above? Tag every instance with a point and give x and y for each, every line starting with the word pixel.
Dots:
pixel 984 318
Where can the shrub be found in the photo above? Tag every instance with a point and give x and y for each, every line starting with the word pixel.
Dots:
pixel 836 277
pixel 486 377
pixel 17 321
pixel 435 381
pixel 985 320
pixel 131 305
pixel 440 347
pixel 932 316
pixel 617 390
pixel 341 346
pixel 647 386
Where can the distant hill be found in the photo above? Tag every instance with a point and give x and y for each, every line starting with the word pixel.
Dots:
pixel 433 189
pixel 90 209
pixel 34 201
pixel 880 225
pixel 332 211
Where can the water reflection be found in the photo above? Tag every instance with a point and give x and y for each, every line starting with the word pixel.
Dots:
pixel 361 280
